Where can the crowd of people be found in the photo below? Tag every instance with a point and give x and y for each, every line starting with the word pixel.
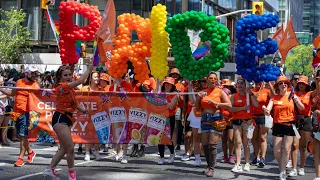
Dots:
pixel 212 110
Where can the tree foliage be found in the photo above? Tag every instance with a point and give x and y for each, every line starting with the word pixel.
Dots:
pixel 14 37
pixel 301 60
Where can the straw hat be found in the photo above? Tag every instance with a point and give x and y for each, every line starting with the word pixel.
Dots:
pixel 104 76
pixel 175 71
pixel 282 79
pixel 303 79
pixel 169 80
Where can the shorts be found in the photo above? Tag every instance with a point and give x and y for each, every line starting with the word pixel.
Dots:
pixel 187 127
pixel 260 119
pixel 8 110
pixel 195 122
pixel 281 130
pixel 22 125
pixel 305 124
pixel 61 119
pixel 229 127
pixel 242 122
pixel 210 118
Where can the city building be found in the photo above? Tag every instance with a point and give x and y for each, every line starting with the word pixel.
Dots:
pixel 311 17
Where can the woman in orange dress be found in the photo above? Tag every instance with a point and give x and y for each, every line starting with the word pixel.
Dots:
pixel 283 107
pixel 62 119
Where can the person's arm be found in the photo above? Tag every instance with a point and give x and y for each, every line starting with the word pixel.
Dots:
pixel 297 101
pixel 82 78
pixel 198 103
pixel 173 103
pixel 237 109
pixel 254 100
pixel 8 92
pixel 3 96
pixel 82 109
pixel 272 91
pixel 268 109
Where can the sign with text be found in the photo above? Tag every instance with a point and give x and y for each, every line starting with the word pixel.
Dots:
pixel 113 118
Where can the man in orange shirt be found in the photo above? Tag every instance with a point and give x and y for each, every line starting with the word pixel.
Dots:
pixel 21 112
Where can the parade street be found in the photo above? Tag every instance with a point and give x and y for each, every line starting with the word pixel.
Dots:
pixel 137 168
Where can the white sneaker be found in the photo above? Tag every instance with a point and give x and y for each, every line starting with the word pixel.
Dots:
pixel 237 168
pixel 171 158
pixel 116 157
pixel 124 160
pixel 197 162
pixel 185 157
pixel 293 173
pixel 289 164
pixel 282 176
pixel 96 155
pixel 301 172
pixel 87 157
pixel 51 173
pixel 161 161
pixel 316 179
pixel 246 167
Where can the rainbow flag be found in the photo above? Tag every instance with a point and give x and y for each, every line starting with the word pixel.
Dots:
pixel 78 48
pixel 96 57
pixel 53 27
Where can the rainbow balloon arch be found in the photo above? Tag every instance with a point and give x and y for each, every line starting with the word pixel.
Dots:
pixel 156 33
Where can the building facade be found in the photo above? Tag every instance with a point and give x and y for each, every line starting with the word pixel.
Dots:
pixel 311 17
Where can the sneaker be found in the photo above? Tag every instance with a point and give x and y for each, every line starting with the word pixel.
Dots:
pixel 124 160
pixel 161 161
pixel 232 160
pixel 255 161
pixel 72 175
pixel 87 157
pixel 289 164
pixel 171 158
pixel 246 167
pixel 210 173
pixel 96 155
pixel 31 156
pixel 185 157
pixel 293 173
pixel 116 157
pixel 225 159
pixel 19 162
pixel 316 179
pixel 301 172
pixel 197 162
pixel 282 176
pixel 262 163
pixel 51 173
pixel 237 168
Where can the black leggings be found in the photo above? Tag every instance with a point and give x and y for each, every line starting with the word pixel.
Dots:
pixel 161 147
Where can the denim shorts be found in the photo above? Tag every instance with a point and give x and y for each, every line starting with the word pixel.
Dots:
pixel 210 118
pixel 22 125
pixel 260 119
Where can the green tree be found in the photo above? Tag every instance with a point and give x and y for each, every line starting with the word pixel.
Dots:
pixel 301 60
pixel 14 37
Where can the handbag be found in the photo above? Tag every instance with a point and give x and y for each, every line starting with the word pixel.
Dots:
pixel 220 125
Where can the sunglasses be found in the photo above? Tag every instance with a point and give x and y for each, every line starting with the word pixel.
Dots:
pixel 281 83
pixel 64 67
pixel 295 79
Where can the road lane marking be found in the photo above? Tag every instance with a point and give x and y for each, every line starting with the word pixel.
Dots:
pixel 30 175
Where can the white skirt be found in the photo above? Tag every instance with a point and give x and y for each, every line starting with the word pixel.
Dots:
pixel 195 122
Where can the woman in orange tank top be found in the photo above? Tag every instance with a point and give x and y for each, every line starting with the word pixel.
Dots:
pixel 242 114
pixel 304 124
pixel 210 101
pixel 284 116
pixel 66 104
pixel 227 136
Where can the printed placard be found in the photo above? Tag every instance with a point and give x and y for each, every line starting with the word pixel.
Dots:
pixel 136 125
pixel 157 121
pixel 118 119
pixel 101 123
pixel 155 127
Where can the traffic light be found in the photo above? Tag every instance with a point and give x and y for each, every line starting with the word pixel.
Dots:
pixel 257 8
pixel 45 3
pixel 83 50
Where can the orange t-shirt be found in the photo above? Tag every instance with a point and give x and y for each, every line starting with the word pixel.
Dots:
pixel 22 96
pixel 240 101
pixel 87 88
pixel 263 99
pixel 180 88
pixel 283 109
pixel 174 110
pixel 66 100
pixel 127 86
pixel 214 95
pixel 306 101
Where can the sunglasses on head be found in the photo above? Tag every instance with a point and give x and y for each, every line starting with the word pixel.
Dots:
pixel 64 67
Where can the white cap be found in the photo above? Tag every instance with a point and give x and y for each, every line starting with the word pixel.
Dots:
pixel 30 69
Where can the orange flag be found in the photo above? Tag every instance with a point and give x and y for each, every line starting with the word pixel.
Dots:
pixel 288 41
pixel 105 33
pixel 278 35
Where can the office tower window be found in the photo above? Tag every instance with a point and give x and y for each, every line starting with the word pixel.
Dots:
pixel 32 9
pixel 194 5
pixel 228 4
pixel 8 4
pixel 178 6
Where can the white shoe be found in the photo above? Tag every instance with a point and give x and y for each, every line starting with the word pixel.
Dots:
pixel 289 164
pixel 197 162
pixel 116 157
pixel 87 157
pixel 161 161
pixel 301 172
pixel 185 157
pixel 246 167
pixel 282 176
pixel 124 160
pixel 96 155
pixel 171 158
pixel 51 173
pixel 293 173
pixel 316 179
pixel 237 168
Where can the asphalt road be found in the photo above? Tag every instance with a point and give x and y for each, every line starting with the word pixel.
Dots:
pixel 137 168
